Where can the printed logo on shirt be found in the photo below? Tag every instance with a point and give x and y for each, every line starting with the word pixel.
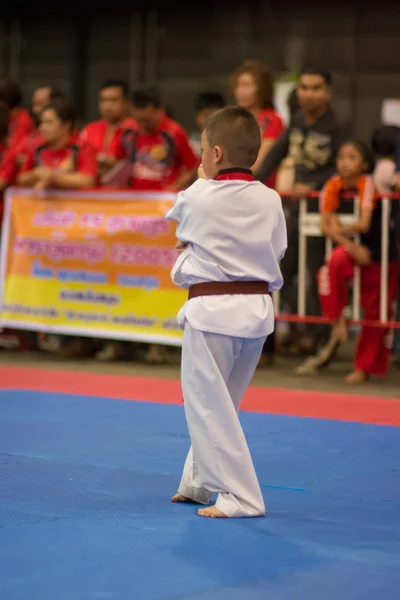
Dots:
pixel 311 149
pixel 159 153
pixel 154 162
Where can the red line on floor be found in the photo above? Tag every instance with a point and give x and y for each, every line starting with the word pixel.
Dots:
pixel 299 403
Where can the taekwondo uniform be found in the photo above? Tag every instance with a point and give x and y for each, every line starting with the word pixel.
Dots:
pixel 236 235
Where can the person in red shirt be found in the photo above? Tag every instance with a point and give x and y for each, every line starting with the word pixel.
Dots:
pixel 20 122
pixel 104 135
pixel 160 150
pixel 253 88
pixel 15 157
pixel 63 160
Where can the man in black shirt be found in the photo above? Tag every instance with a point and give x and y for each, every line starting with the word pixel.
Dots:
pixel 312 140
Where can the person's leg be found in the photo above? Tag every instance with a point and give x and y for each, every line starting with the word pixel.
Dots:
pixel 221 456
pixel 333 280
pixel 238 383
pixel 289 264
pixel 315 260
pixel 374 344
pixel 190 488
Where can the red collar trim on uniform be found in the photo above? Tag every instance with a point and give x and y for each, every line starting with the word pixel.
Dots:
pixel 234 174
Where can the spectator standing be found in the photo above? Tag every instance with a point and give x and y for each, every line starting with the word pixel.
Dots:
pixel 161 160
pixel 105 134
pixel 160 152
pixel 312 140
pixel 205 105
pixel 252 86
pixel 62 161
pixel 20 122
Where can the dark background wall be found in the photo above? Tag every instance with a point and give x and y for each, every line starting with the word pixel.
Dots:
pixel 186 51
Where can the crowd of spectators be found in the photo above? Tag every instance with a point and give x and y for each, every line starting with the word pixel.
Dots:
pixel 135 144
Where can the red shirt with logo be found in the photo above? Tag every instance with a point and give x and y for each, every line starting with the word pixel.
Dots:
pixel 20 125
pixel 79 153
pixel 96 135
pixel 271 125
pixel 159 157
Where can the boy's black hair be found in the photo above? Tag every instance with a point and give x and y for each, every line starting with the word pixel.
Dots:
pixel 146 96
pixel 366 152
pixel 326 75
pixel 117 83
pixel 209 99
pixel 384 140
pixel 64 111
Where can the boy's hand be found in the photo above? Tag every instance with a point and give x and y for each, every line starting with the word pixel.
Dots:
pixel 180 246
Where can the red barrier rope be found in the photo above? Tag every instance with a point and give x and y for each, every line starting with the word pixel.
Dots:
pixel 325 321
pixel 316 194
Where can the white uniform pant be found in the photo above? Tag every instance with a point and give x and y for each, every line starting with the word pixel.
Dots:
pixel 216 370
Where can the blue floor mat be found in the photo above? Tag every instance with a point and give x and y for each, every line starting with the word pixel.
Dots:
pixel 84 511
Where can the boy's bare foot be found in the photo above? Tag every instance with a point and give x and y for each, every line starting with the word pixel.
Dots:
pixel 356 377
pixel 211 512
pixel 179 498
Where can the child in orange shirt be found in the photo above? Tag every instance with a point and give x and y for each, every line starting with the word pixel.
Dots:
pixel 353 163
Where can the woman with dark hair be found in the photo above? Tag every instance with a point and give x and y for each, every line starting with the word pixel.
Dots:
pixel 63 160
pixel 252 86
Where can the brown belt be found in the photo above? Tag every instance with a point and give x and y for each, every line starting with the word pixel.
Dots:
pixel 222 288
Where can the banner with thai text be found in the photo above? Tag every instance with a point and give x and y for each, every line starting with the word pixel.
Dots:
pixel 94 264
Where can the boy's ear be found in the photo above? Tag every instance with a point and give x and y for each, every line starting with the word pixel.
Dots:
pixel 218 154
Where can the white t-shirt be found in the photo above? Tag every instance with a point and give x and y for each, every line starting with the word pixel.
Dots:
pixel 236 231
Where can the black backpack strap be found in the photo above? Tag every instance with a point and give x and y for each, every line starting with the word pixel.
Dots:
pixel 171 147
pixel 129 144
pixel 75 153
pixel 37 155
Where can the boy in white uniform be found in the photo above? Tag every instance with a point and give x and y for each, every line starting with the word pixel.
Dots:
pixel 231 236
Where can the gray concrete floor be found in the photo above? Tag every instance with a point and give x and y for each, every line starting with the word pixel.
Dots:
pixel 281 375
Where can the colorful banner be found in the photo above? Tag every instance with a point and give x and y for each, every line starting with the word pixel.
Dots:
pixel 94 264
